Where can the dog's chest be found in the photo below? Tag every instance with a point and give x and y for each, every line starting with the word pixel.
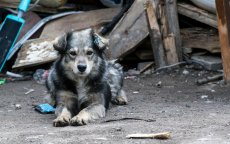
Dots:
pixel 81 89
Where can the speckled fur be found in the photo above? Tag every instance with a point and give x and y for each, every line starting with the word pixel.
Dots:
pixel 81 97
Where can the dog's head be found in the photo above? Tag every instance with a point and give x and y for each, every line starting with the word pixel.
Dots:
pixel 79 53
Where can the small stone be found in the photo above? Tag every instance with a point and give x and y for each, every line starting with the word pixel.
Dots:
pixel 133 72
pixel 185 72
pixel 18 106
pixel 213 91
pixel 209 62
pixel 159 84
pixel 148 72
pixel 136 92
pixel 204 96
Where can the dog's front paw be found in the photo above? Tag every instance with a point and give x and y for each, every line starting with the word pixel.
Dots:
pixel 61 121
pixel 82 118
pixel 120 100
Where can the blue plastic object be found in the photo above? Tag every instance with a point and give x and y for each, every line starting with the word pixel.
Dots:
pixel 23 6
pixel 45 108
pixel 10 30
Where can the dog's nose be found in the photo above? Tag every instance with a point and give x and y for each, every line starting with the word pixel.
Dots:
pixel 81 68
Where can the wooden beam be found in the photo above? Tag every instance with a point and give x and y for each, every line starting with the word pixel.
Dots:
pixel 201 38
pixel 197 14
pixel 170 48
pixel 224 33
pixel 155 35
pixel 173 25
pixel 129 31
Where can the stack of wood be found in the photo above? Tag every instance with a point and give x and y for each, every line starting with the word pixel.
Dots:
pixel 157 19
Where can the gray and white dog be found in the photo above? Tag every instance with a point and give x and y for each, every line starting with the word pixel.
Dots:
pixel 81 81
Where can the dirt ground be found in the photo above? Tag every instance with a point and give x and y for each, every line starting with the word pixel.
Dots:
pixel 193 114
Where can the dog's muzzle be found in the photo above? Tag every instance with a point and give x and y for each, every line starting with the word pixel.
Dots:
pixel 81 68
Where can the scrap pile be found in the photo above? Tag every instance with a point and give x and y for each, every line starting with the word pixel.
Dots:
pixel 147 36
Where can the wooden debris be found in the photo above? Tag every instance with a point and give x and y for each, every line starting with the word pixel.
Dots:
pixel 173 28
pixel 201 38
pixel 223 13
pixel 170 48
pixel 167 12
pixel 35 52
pixel 42 48
pixel 79 21
pixel 197 14
pixel 209 62
pixel 209 79
pixel 142 67
pixel 155 35
pixel 39 8
pixel 129 32
pixel 162 136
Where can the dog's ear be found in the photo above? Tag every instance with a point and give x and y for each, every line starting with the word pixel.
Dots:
pixel 101 42
pixel 60 43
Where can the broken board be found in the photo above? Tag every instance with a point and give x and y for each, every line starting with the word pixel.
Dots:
pixel 35 52
pixel 39 8
pixel 197 14
pixel 56 28
pixel 200 38
pixel 129 32
pixel 78 22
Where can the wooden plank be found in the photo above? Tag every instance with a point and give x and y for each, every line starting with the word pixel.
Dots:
pixel 35 52
pixel 79 21
pixel 155 36
pixel 224 27
pixel 170 48
pixel 173 25
pixel 40 48
pixel 39 8
pixel 129 32
pixel 197 14
pixel 201 38
pixel 142 67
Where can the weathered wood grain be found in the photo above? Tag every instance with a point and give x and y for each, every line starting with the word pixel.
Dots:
pixel 224 34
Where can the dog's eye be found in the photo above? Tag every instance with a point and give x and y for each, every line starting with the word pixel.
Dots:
pixel 89 52
pixel 72 53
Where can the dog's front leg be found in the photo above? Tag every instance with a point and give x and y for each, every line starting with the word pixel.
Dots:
pixel 63 116
pixel 88 114
pixel 66 108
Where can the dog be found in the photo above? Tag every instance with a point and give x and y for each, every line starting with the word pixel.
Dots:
pixel 81 81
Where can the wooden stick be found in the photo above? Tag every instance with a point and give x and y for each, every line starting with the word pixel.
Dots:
pixel 155 35
pixel 197 14
pixel 170 47
pixel 173 25
pixel 209 79
pixel 163 136
pixel 223 14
